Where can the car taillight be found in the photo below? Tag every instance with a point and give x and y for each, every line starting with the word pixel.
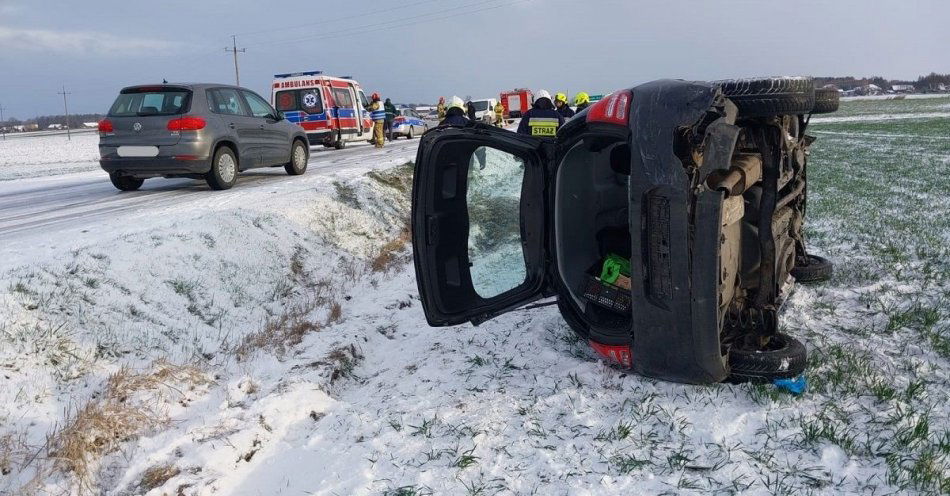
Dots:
pixel 613 109
pixel 105 126
pixel 619 354
pixel 186 124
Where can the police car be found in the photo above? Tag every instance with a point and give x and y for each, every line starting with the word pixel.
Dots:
pixel 408 123
pixel 332 110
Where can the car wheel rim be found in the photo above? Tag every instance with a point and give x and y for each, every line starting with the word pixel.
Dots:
pixel 300 157
pixel 226 168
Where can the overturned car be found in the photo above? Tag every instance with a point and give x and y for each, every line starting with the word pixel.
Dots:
pixel 666 220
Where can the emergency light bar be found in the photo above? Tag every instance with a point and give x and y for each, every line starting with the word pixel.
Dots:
pixel 295 74
pixel 345 77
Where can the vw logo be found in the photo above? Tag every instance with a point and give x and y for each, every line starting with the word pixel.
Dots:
pixel 137 126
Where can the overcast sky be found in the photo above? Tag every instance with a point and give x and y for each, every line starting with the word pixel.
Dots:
pixel 414 50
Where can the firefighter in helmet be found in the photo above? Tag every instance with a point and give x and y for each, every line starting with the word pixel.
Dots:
pixel 560 103
pixel 581 101
pixel 455 115
pixel 499 114
pixel 378 114
pixel 542 120
pixel 441 108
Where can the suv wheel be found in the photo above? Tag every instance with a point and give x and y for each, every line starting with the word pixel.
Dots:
pixel 770 96
pixel 224 169
pixel 783 358
pixel 125 183
pixel 826 100
pixel 298 159
pixel 812 268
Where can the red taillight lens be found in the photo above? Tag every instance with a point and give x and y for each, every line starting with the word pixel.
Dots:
pixel 105 126
pixel 619 354
pixel 186 124
pixel 613 109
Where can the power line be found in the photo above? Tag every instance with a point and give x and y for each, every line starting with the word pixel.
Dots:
pixel 366 28
pixel 234 49
pixel 66 108
pixel 325 22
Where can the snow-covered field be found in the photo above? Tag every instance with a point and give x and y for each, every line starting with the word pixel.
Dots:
pixel 48 155
pixel 269 340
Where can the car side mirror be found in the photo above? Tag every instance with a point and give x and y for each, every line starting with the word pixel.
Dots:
pixel 279 116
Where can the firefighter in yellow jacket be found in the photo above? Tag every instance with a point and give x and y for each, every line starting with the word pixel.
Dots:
pixel 441 108
pixel 499 115
pixel 378 114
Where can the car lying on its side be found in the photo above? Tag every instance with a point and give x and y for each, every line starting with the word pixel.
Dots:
pixel 202 131
pixel 408 123
pixel 666 219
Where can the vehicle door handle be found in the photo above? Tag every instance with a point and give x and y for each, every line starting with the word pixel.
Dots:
pixel 262 126
pixel 231 125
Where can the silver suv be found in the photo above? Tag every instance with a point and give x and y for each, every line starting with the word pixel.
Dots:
pixel 202 131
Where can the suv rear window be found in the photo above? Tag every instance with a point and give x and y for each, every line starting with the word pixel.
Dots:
pixel 151 101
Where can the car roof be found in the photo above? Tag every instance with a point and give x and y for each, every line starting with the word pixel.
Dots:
pixel 191 86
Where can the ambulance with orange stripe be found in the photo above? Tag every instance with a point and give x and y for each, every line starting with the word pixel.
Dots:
pixel 332 110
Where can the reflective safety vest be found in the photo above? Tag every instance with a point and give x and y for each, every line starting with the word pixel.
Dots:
pixel 377 112
pixel 543 126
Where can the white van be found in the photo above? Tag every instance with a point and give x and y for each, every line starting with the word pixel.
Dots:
pixel 485 109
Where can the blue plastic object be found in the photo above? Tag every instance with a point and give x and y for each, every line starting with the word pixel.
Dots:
pixel 795 385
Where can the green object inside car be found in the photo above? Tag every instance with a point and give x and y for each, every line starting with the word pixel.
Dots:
pixel 613 267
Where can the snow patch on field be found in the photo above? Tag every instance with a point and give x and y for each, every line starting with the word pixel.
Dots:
pixel 37 156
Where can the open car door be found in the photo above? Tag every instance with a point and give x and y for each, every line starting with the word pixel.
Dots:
pixel 479 222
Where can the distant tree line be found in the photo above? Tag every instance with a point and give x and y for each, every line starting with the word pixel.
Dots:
pixel 44 121
pixel 930 82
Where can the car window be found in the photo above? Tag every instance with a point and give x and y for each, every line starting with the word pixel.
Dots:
pixel 150 101
pixel 342 97
pixel 363 100
pixel 226 101
pixel 259 107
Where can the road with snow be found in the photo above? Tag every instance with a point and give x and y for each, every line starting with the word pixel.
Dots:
pixel 38 213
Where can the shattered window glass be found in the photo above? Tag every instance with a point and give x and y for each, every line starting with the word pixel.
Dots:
pixel 494 208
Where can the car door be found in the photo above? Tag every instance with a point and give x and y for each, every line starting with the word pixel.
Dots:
pixel 479 223
pixel 274 137
pixel 231 108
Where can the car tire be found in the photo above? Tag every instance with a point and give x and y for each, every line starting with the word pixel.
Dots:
pixel 812 268
pixel 785 359
pixel 770 96
pixel 224 169
pixel 298 159
pixel 411 134
pixel 826 101
pixel 125 183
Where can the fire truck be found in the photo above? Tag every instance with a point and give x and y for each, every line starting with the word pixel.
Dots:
pixel 516 101
pixel 332 110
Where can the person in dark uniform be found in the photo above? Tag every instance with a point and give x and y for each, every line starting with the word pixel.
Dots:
pixel 560 103
pixel 581 101
pixel 542 120
pixel 455 115
pixel 470 109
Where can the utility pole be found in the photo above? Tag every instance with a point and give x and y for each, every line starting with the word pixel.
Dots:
pixel 234 50
pixel 3 127
pixel 66 108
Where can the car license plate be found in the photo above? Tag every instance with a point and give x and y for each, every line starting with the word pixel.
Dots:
pixel 137 151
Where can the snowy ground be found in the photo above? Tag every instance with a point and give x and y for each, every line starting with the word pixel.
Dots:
pixel 269 340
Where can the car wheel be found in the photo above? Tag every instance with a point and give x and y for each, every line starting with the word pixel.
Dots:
pixel 770 96
pixel 298 159
pixel 224 169
pixel 412 134
pixel 812 268
pixel 826 101
pixel 784 357
pixel 125 183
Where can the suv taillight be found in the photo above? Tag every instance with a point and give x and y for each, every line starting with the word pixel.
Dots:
pixel 613 109
pixel 105 126
pixel 186 124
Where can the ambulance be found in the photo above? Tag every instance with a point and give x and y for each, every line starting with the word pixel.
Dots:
pixel 332 110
